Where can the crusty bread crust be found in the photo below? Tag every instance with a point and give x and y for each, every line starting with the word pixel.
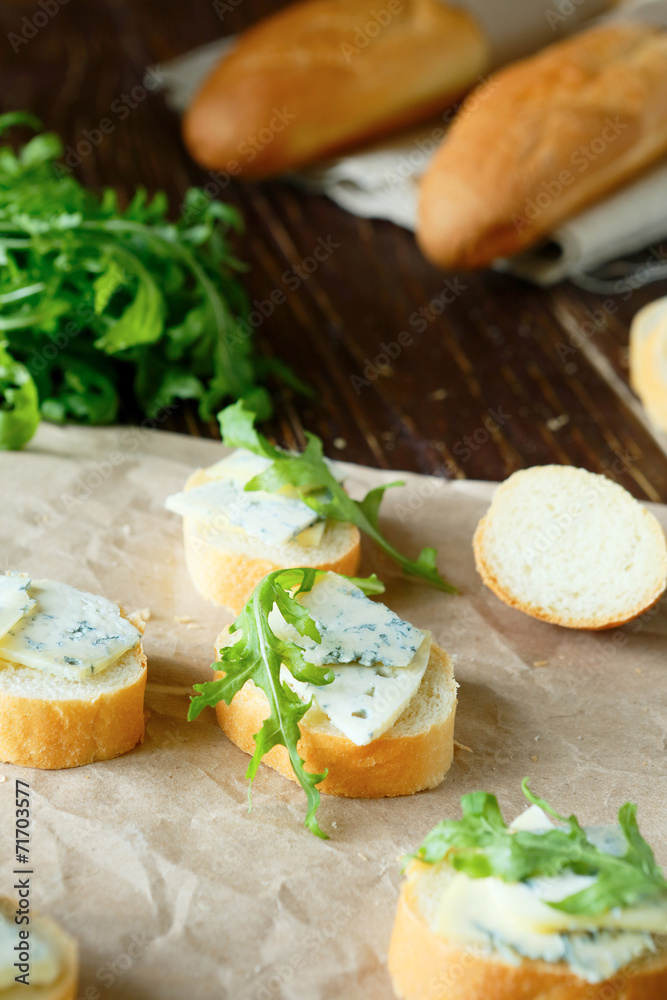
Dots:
pixel 65 986
pixel 395 764
pixel 321 74
pixel 425 966
pixel 550 135
pixel 514 600
pixel 52 734
pixel 228 576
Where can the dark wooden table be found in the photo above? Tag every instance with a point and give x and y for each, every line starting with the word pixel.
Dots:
pixel 507 376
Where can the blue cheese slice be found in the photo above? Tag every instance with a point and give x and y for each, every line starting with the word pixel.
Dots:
pixel 365 702
pixel 273 518
pixel 378 660
pixel 516 920
pixel 68 633
pixel 353 628
pixel 15 601
pixel 243 465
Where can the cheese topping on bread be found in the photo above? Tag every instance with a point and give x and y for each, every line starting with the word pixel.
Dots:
pixel 377 659
pixel 514 920
pixel 14 600
pixel 44 963
pixel 275 518
pixel 64 631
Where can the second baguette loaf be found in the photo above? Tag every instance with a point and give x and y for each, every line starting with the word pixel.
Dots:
pixel 322 74
pixel 549 136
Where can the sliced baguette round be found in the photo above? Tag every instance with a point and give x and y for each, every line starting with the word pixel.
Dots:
pixel 571 547
pixel 648 359
pixel 50 722
pixel 226 565
pixel 62 945
pixel 425 966
pixel 413 755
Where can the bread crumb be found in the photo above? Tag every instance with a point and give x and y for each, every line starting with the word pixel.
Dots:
pixel 437 395
pixel 183 619
pixel 462 746
pixel 534 758
pixel 3 777
pixel 145 613
pixel 555 423
pixel 638 670
pixel 339 443
pixel 537 739
pixel 362 856
pixel 541 663
pixel 193 625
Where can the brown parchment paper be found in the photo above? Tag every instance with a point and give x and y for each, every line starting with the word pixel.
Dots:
pixel 152 860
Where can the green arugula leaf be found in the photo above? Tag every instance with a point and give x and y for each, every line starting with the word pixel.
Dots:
pixel 257 655
pixel 19 403
pixel 309 472
pixel 105 285
pixel 481 845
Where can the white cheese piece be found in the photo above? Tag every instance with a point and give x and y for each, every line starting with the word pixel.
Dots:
pixel 533 820
pixel 353 628
pixel 365 702
pixel 68 632
pixel 44 964
pixel 15 601
pixel 273 518
pixel 312 537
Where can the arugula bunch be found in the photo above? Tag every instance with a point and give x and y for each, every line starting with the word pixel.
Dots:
pixel 309 471
pixel 19 404
pixel 481 844
pixel 91 296
pixel 257 656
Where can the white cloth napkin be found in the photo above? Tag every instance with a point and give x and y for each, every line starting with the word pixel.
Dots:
pixel 381 182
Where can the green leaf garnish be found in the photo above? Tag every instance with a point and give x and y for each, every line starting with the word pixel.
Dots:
pixel 308 471
pixel 482 845
pixel 19 405
pixel 257 656
pixel 92 296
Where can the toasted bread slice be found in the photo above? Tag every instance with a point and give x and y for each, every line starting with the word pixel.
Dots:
pixel 226 565
pixel 571 547
pixel 425 966
pixel 51 722
pixel 62 946
pixel 413 755
pixel 648 359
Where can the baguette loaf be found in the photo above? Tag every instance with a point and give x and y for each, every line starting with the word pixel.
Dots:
pixel 323 74
pixel 571 547
pixel 648 359
pixel 551 135
pixel 225 565
pixel 425 966
pixel 50 722
pixel 64 987
pixel 413 755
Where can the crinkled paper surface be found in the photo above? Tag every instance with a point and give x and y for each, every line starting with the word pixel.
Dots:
pixel 152 860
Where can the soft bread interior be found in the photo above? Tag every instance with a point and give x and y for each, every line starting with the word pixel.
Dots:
pixel 573 547
pixel 27 682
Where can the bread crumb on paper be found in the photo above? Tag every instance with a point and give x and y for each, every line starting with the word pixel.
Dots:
pixel 541 663
pixel 462 746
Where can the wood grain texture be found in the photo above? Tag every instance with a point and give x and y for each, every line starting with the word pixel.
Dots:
pixel 497 375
